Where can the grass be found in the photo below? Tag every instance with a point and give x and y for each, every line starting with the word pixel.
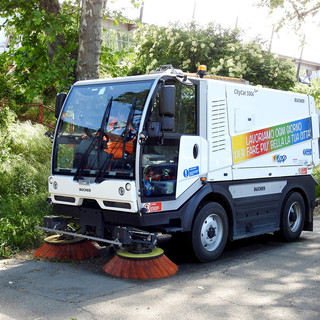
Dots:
pixel 24 168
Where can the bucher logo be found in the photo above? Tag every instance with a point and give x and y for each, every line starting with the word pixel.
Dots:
pixel 279 158
pixel 262 188
pixel 84 189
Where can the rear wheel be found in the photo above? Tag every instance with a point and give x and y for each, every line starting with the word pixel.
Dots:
pixel 292 217
pixel 210 232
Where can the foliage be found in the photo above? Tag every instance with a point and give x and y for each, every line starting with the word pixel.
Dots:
pixel 43 53
pixel 316 175
pixel 292 11
pixel 114 63
pixel 257 65
pixel 18 218
pixel 24 168
pixel 222 50
pixel 185 46
pixel 8 87
pixel 31 112
pixel 117 52
pixel 313 90
pixel 34 61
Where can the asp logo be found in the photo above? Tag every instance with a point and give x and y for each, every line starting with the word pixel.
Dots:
pixel 279 158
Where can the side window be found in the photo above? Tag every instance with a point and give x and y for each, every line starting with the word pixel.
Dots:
pixel 159 169
pixel 185 110
pixel 185 118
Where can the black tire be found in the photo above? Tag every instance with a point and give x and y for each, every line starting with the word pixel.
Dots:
pixel 209 232
pixel 292 217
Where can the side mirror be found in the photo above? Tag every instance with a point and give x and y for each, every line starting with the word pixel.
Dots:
pixel 167 101
pixel 167 107
pixel 59 103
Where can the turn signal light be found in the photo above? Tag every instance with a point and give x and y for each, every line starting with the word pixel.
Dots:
pixel 203 179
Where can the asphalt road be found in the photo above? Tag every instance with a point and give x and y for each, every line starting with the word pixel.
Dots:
pixel 259 278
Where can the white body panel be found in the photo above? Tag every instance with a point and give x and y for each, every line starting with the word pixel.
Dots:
pixel 255 132
pixel 219 139
pixel 105 191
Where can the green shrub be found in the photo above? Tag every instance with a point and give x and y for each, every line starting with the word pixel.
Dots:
pixel 313 90
pixel 223 51
pixel 18 218
pixel 26 112
pixel 24 169
pixel 316 175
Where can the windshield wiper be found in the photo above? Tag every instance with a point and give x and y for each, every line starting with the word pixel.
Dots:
pixel 121 142
pixel 124 135
pixel 97 137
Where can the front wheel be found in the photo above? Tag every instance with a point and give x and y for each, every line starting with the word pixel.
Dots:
pixel 292 217
pixel 209 232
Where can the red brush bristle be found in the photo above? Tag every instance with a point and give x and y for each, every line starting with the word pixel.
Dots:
pixel 73 251
pixel 153 268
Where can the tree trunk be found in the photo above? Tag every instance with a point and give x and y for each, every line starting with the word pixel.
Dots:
pixel 90 39
pixel 53 7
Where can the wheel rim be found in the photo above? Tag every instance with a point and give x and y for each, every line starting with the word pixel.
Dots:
pixel 211 232
pixel 294 217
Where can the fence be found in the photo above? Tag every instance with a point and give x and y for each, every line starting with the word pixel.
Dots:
pixel 40 117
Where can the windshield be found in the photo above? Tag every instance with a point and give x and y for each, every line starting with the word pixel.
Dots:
pixel 98 128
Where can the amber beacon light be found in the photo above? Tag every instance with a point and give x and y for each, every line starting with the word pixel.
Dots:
pixel 202 70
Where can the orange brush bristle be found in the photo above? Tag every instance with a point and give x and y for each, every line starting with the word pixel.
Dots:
pixel 152 265
pixel 55 247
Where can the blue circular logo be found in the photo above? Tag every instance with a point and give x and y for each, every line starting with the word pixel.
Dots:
pixel 186 173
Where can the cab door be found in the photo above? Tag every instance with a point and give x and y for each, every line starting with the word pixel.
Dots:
pixel 171 154
pixel 192 162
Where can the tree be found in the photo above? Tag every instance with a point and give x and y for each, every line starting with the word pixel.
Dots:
pixel 90 39
pixel 183 46
pixel 222 50
pixel 43 46
pixel 51 46
pixel 313 90
pixel 295 11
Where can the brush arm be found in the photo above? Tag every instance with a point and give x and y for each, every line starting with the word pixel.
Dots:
pixel 77 235
pixel 127 235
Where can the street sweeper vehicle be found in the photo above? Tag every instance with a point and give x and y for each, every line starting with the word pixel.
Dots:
pixel 170 153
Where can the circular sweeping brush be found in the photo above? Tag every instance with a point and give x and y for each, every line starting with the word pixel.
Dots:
pixel 152 264
pixel 60 247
